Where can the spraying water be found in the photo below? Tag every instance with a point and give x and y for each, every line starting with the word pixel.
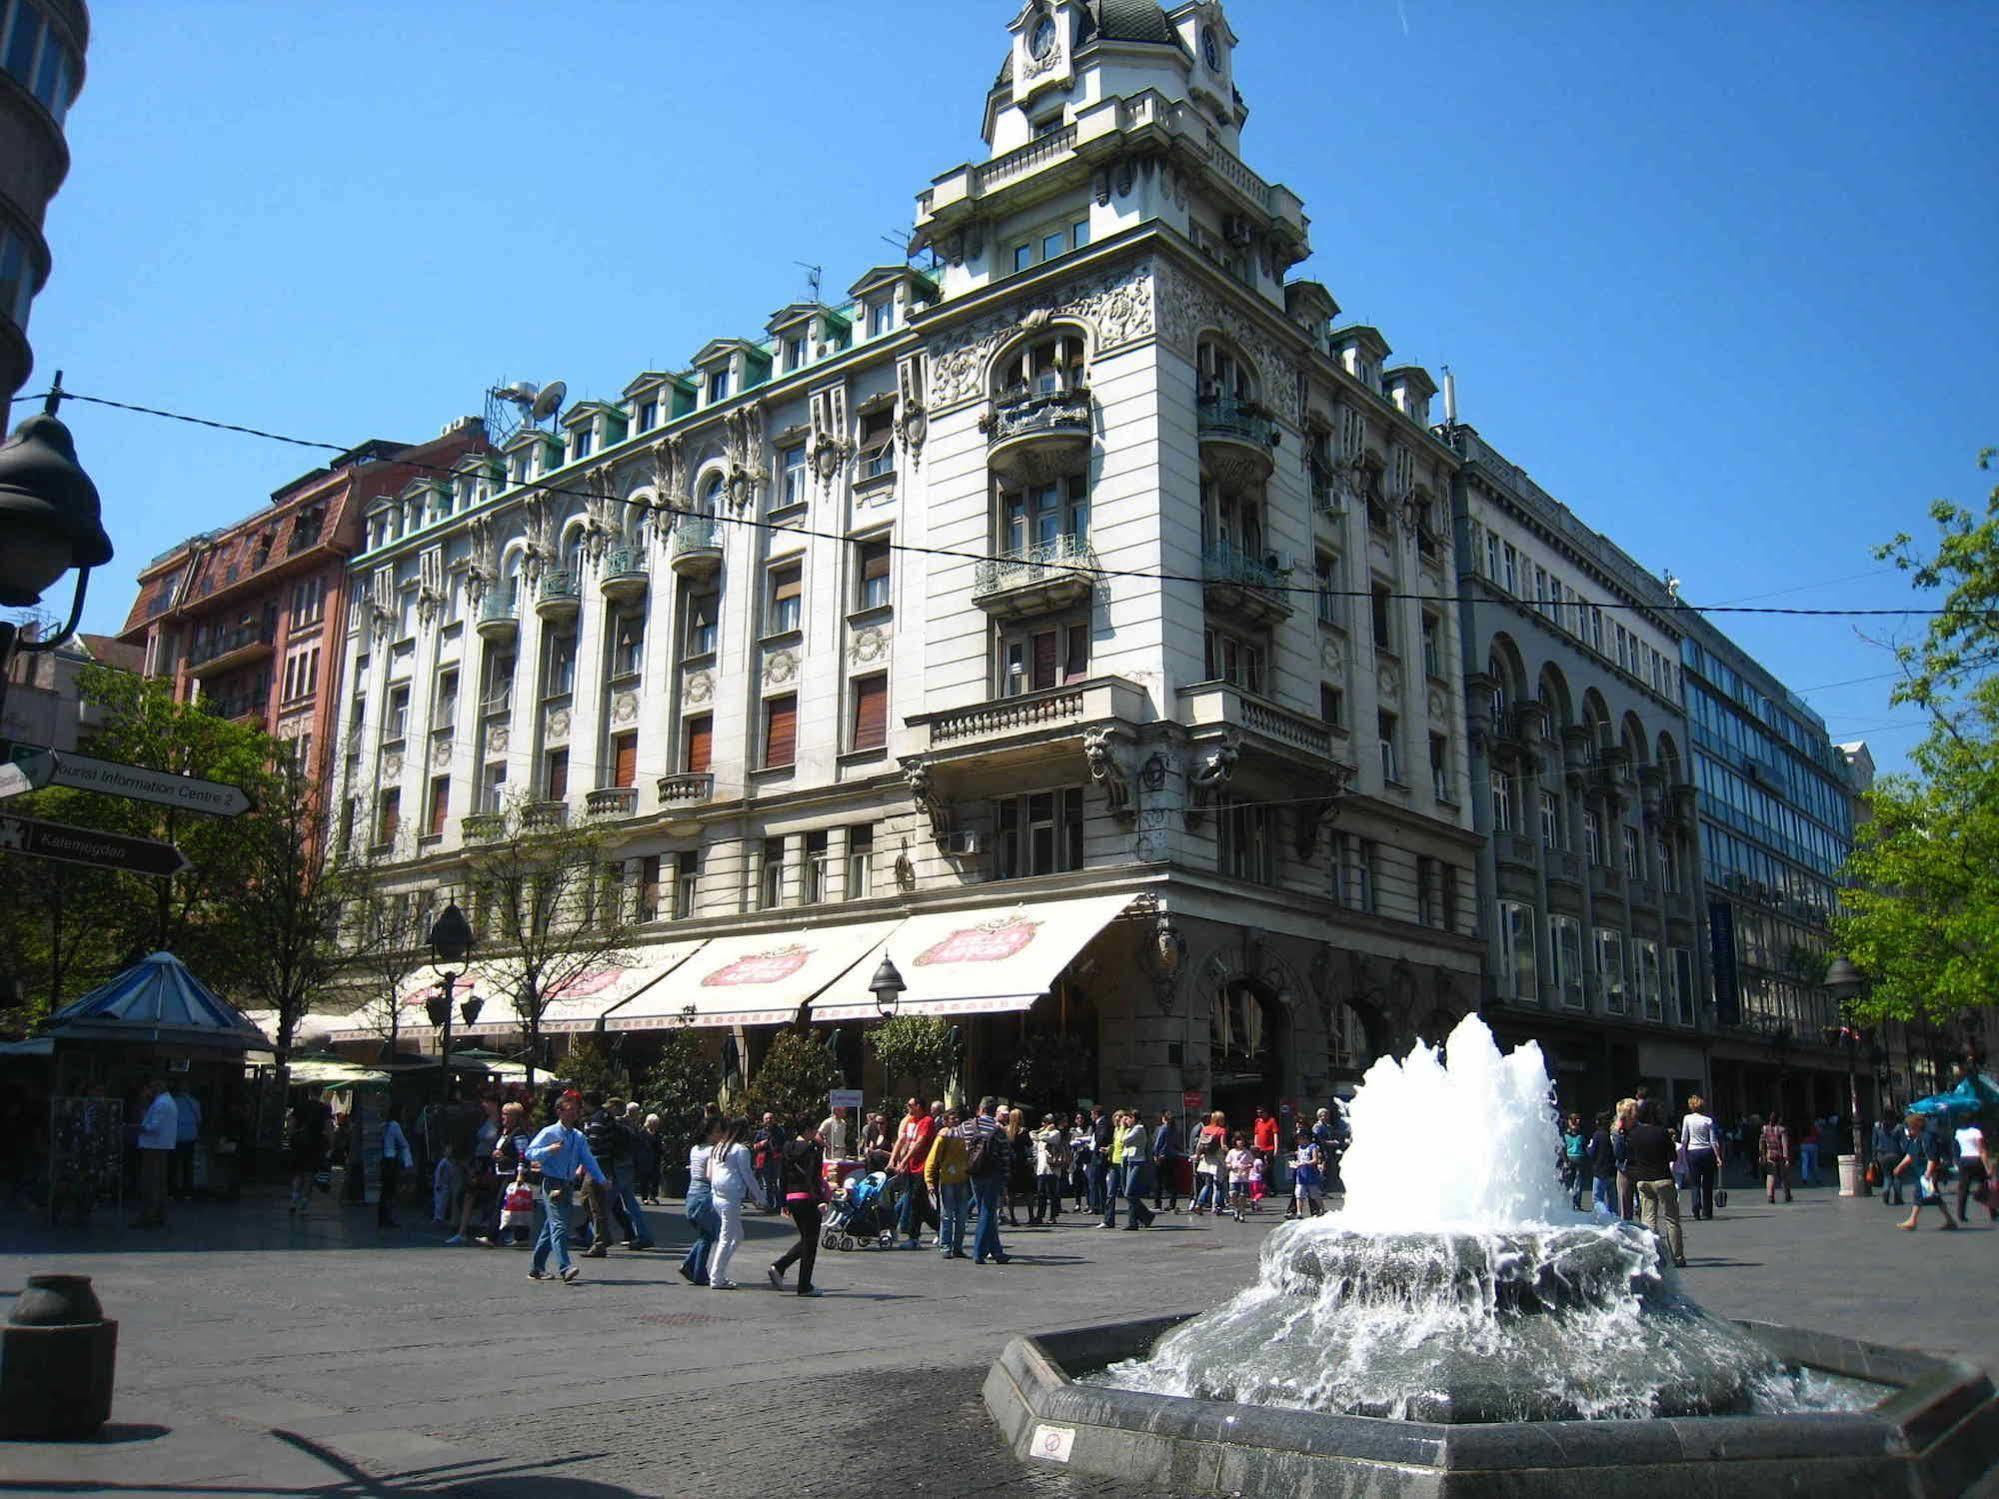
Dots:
pixel 1458 1283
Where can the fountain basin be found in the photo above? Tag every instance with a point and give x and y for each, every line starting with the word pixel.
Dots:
pixel 1934 1435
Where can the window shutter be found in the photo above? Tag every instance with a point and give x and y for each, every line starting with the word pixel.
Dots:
pixel 1044 659
pixel 625 760
pixel 780 731
pixel 871 712
pixel 700 742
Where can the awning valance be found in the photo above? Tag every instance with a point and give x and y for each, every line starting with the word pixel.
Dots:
pixel 750 980
pixel 576 1006
pixel 978 962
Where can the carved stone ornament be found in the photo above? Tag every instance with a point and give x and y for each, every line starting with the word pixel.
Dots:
pixel 1388 682
pixel 1332 656
pixel 558 724
pixel 1118 305
pixel 923 792
pixel 1317 812
pixel 1439 710
pixel 1214 767
pixel 440 753
pixel 1106 763
pixel 1187 309
pixel 870 643
pixel 392 766
pixel 625 707
pixel 780 667
pixel 700 687
pixel 496 741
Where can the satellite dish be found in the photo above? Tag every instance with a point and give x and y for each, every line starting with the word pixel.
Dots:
pixel 549 401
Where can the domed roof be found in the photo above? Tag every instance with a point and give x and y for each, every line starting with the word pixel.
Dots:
pixel 1114 21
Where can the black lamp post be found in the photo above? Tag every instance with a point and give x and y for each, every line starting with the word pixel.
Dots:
pixel 1842 982
pixel 450 943
pixel 50 521
pixel 887 987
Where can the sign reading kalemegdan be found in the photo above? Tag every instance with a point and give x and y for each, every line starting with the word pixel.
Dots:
pixel 68 845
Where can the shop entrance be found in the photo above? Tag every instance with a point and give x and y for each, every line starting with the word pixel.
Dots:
pixel 1249 1034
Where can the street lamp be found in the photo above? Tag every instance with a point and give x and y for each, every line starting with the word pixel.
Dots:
pixel 450 943
pixel 50 521
pixel 887 987
pixel 1842 982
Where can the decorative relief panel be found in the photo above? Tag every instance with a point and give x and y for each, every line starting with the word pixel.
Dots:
pixel 1389 683
pixel 625 707
pixel 1118 305
pixel 440 753
pixel 868 645
pixel 392 767
pixel 1331 656
pixel 497 740
pixel 780 666
pixel 556 728
pixel 700 686
pixel 1186 308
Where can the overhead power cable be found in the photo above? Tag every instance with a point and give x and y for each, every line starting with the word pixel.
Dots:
pixel 959 554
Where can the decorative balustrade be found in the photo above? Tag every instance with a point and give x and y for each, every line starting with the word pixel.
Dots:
pixel 612 801
pixel 1041 149
pixel 686 786
pixel 1063 561
pixel 1032 710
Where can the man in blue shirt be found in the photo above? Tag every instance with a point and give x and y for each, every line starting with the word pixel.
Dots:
pixel 187 1129
pixel 1166 1163
pixel 563 1157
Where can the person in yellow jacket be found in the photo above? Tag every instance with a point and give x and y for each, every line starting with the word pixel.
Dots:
pixel 948 1175
pixel 1114 1180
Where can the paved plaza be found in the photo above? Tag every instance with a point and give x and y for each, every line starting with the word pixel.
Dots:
pixel 259 1356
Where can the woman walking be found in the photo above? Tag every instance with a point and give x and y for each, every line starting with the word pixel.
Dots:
pixel 1702 1142
pixel 311 1135
pixel 1137 1171
pixel 1210 1146
pixel 396 1159
pixel 1020 1167
pixel 1603 1165
pixel 1082 1144
pixel 1773 1158
pixel 1627 1188
pixel 1051 1164
pixel 732 1176
pixel 947 1173
pixel 1927 1164
pixel 700 1205
pixel 803 1179
pixel 1308 1179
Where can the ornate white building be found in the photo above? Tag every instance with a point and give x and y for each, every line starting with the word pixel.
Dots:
pixel 1051 620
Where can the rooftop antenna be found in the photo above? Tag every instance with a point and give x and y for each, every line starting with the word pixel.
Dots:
pixel 509 407
pixel 814 274
pixel 1450 397
pixel 900 244
pixel 1672 585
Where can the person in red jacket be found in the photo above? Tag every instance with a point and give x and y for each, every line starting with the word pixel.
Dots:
pixel 1263 1139
pixel 911 1154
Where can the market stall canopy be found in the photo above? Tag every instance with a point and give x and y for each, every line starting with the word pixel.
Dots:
pixel 1972 1095
pixel 157 1000
pixel 978 962
pixel 750 980
pixel 311 1027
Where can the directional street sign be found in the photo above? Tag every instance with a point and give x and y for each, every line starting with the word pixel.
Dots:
pixel 136 783
pixel 26 772
pixel 54 840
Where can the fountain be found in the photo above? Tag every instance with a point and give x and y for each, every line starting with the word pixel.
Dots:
pixel 1466 1331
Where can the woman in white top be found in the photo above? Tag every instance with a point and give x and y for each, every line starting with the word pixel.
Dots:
pixel 731 1177
pixel 700 1205
pixel 396 1160
pixel 1702 1143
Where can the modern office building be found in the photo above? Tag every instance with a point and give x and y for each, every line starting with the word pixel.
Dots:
pixel 250 620
pixel 1775 799
pixel 1581 786
pixel 1046 620
pixel 41 72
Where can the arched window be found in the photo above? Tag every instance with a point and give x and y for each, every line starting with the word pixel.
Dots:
pixel 572 550
pixel 1047 366
pixel 1225 375
pixel 1238 1035
pixel 510 580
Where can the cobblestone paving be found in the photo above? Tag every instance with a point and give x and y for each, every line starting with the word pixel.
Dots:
pixel 260 1356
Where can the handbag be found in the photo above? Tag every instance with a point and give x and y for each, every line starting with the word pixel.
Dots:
pixel 517 1207
pixel 323 1180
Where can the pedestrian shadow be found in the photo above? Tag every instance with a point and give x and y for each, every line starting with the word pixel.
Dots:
pixel 1711 1262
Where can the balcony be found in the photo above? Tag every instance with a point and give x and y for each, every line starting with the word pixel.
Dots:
pixel 1516 849
pixel 1038 437
pixel 1280 729
pixel 559 597
pixel 1566 867
pixel 1236 441
pixel 625 577
pixel 1030 726
pixel 1036 579
pixel 225 650
pixel 1605 882
pixel 685 788
pixel 695 550
pixel 499 617
pixel 544 815
pixel 476 827
pixel 612 801
pixel 1248 587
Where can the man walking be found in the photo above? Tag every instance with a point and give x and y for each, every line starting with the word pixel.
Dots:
pixel 987 1157
pixel 769 1161
pixel 1773 1152
pixel 1927 1164
pixel 911 1154
pixel 565 1159
pixel 1137 1164
pixel 600 1130
pixel 1650 1148
pixel 187 1129
pixel 1100 1157
pixel 1166 1163
pixel 157 1127
pixel 1891 1145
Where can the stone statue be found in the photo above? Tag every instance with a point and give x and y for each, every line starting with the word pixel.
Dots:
pixel 1107 770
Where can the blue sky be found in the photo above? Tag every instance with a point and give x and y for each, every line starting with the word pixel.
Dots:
pixel 1721 278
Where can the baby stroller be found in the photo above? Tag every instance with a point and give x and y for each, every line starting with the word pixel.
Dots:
pixel 861 1213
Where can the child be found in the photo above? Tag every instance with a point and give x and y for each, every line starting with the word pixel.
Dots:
pixel 444 1188
pixel 1240 1160
pixel 1306 1174
pixel 1256 1185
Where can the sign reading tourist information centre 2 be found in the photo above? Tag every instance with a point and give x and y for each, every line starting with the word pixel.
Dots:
pixel 32 769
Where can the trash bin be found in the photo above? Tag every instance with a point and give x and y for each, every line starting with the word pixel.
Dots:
pixel 1849 1176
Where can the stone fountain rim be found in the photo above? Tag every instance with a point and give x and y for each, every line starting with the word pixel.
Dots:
pixel 1029 1386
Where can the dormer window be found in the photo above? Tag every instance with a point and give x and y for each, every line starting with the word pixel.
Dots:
pixel 881 317
pixel 519 467
pixel 794 353
pixel 579 445
pixel 648 415
pixel 718 386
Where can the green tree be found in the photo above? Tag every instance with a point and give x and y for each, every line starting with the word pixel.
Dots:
pixel 1921 916
pixel 676 1087
pixel 590 1069
pixel 794 1080
pixel 914 1052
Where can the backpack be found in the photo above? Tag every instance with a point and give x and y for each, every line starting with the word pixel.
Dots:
pixel 988 1153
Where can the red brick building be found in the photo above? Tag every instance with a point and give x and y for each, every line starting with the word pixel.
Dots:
pixel 250 619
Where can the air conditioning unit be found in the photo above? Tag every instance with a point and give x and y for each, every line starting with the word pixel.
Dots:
pixel 962 845
pixel 1237 229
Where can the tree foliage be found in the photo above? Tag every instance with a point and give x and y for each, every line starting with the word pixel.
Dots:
pixel 1922 917
pixel 793 1083
pixel 676 1087
pixel 914 1052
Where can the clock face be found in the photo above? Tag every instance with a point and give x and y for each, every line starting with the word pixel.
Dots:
pixel 1210 51
pixel 1043 41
